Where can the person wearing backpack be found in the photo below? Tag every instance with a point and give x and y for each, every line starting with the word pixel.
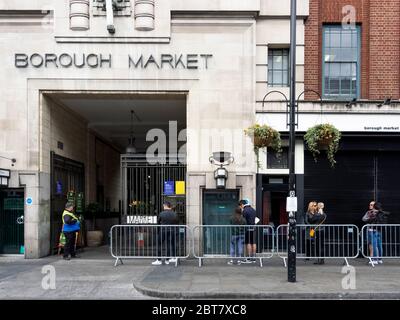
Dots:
pixel 237 236
pixel 369 217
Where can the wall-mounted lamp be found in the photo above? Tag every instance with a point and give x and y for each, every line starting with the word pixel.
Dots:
pixel 220 176
pixel 221 159
pixel 353 102
pixel 13 160
pixel 387 102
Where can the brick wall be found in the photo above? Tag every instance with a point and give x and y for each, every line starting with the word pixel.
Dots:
pixel 380 48
pixel 384 48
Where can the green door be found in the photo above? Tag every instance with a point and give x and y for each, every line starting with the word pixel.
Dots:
pixel 218 207
pixel 11 221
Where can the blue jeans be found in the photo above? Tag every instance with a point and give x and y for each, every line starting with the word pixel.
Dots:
pixel 375 240
pixel 237 243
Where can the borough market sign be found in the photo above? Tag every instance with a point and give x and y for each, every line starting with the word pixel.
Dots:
pixel 93 60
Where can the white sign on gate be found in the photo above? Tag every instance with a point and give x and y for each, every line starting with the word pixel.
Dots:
pixel 141 220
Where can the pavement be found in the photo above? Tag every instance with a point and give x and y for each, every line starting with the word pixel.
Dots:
pixel 93 276
pixel 217 280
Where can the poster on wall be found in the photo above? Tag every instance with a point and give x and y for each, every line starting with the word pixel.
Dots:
pixel 169 188
pixel 180 187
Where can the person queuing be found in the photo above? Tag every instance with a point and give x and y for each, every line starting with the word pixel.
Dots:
pixel 167 234
pixel 369 218
pixel 250 215
pixel 237 236
pixel 316 216
pixel 376 216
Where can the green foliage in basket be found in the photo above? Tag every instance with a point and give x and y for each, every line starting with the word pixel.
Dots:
pixel 323 136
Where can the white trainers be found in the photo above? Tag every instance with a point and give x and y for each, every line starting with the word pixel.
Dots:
pixel 173 260
pixel 166 261
pixel 373 262
pixel 230 262
pixel 380 261
pixel 157 263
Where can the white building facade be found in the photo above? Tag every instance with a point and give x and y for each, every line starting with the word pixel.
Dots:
pixel 70 76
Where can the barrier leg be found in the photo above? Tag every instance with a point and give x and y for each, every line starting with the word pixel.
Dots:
pixel 261 264
pixel 347 262
pixel 371 262
pixel 284 262
pixel 176 262
pixel 200 262
pixel 116 262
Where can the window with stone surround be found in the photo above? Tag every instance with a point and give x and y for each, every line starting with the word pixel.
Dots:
pixel 278 67
pixel 277 160
pixel 341 62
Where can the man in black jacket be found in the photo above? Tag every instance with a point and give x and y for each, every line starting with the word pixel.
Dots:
pixel 167 234
pixel 249 238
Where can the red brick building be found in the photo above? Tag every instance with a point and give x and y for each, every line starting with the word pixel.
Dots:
pixel 352 57
pixel 379 26
pixel 352 60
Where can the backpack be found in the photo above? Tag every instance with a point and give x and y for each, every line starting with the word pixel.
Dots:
pixel 382 217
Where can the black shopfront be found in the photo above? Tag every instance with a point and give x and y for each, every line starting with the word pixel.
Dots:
pixel 367 168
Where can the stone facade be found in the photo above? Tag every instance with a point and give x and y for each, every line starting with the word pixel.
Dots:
pixel 225 78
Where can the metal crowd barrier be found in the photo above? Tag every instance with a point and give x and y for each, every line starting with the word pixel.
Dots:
pixel 229 242
pixel 329 241
pixel 380 241
pixel 149 241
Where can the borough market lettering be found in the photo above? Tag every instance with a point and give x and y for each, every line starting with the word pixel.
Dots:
pixel 92 60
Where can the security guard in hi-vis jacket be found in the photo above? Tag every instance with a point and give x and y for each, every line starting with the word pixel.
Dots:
pixel 71 225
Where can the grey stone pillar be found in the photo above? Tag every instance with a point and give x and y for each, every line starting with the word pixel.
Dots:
pixel 37 214
pixel 144 15
pixel 79 14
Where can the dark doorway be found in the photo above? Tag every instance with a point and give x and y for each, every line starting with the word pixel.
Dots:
pixel 274 208
pixel 67 175
pixel 278 208
pixel 273 199
pixel 11 221
pixel 218 208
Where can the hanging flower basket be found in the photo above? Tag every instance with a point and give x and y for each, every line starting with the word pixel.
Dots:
pixel 262 142
pixel 264 136
pixel 323 137
pixel 325 142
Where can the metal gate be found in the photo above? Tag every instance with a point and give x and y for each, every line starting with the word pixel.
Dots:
pixel 143 186
pixel 66 175
pixel 11 221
